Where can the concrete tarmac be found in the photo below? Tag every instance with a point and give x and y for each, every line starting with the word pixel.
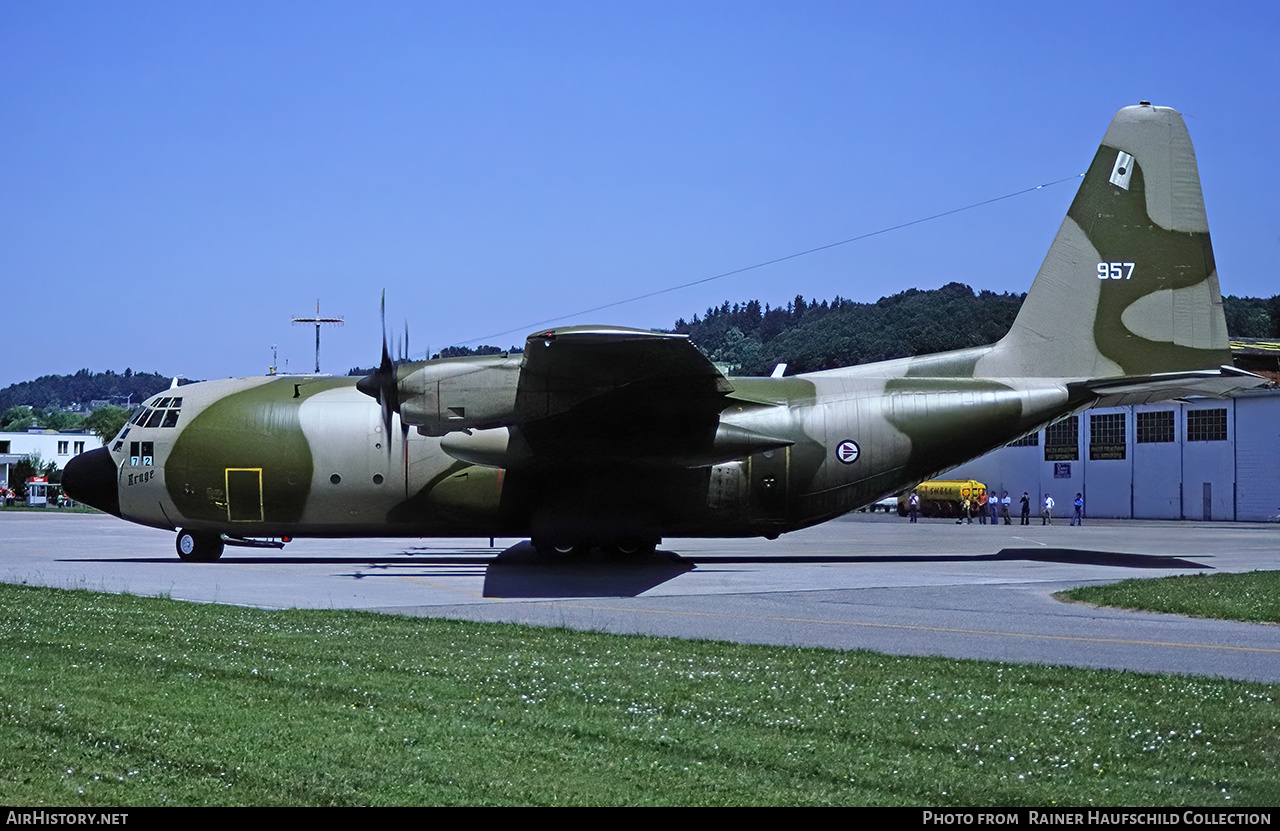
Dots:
pixel 862 582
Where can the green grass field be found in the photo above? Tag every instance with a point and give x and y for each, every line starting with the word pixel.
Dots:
pixel 1254 596
pixel 122 701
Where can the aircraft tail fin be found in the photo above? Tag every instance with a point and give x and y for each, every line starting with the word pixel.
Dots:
pixel 1129 286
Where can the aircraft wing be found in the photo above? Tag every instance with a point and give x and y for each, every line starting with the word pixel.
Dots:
pixel 580 395
pixel 614 395
pixel 651 372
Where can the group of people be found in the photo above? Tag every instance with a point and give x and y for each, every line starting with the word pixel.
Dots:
pixel 9 498
pixel 1046 511
pixel 990 505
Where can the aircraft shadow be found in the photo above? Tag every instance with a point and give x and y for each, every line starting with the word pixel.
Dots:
pixel 1073 556
pixel 520 572
pixel 1094 558
pixel 516 572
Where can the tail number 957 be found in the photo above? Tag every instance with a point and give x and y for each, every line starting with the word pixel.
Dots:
pixel 1115 271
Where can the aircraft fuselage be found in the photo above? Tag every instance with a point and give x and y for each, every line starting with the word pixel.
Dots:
pixel 292 456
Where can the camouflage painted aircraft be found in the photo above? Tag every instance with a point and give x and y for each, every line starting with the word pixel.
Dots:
pixel 616 438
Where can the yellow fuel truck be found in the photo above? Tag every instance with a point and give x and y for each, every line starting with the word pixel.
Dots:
pixel 945 497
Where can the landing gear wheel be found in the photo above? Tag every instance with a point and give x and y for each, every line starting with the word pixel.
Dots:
pixel 632 548
pixel 559 547
pixel 195 547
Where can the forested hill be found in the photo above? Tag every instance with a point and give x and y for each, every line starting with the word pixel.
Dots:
pixel 821 335
pixel 809 335
pixel 83 387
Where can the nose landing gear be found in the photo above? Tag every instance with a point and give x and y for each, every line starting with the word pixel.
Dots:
pixel 197 547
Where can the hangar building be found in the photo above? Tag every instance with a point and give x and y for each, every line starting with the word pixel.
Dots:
pixel 1196 459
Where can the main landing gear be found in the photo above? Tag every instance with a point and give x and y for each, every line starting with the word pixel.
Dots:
pixel 564 547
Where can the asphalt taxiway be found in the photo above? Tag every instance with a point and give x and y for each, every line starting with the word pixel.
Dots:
pixel 862 582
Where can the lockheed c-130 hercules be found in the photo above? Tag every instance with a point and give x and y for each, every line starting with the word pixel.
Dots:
pixel 615 438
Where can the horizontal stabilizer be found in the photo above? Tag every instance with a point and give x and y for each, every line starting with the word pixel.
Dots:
pixel 1123 391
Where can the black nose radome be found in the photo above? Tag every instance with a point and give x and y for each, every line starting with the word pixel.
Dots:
pixel 91 478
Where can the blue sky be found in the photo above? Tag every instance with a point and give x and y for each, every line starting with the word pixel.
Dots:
pixel 178 180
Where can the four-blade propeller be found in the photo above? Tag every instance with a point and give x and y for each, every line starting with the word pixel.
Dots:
pixel 383 384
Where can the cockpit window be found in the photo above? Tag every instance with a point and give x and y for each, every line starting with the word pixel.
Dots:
pixel 163 412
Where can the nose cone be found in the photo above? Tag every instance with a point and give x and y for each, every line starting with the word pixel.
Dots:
pixel 91 478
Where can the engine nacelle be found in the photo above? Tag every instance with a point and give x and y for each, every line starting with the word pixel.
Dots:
pixel 460 394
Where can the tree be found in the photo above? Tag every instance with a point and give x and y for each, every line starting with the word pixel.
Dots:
pixel 1247 317
pixel 16 419
pixel 55 418
pixel 106 422
pixel 739 351
pixel 27 467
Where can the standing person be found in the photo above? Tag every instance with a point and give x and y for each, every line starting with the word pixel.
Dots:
pixel 1026 509
pixel 964 511
pixel 1005 503
pixel 913 505
pixel 993 505
pixel 982 509
pixel 1078 517
pixel 1046 516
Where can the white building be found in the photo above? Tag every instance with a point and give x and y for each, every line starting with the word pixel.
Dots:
pixel 49 445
